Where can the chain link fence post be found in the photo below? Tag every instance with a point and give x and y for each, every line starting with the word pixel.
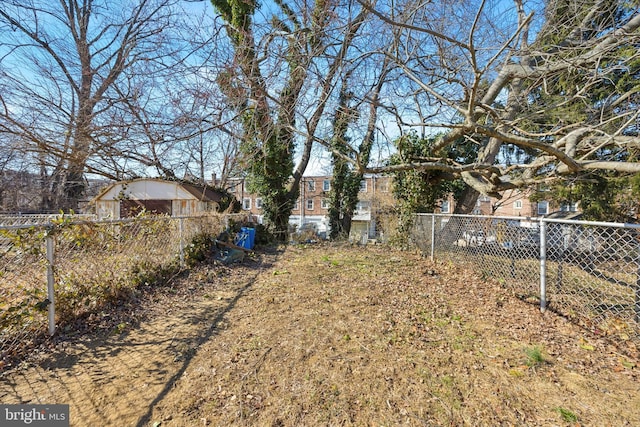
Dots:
pixel 543 265
pixel 181 234
pixel 50 282
pixel 433 236
pixel 636 306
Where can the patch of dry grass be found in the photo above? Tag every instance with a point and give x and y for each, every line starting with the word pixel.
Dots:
pixel 335 335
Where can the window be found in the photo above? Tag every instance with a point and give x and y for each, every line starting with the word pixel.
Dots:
pixel 543 208
pixel 246 204
pixel 517 204
pixel 444 206
pixel 311 185
pixel 326 185
pixel 569 207
pixel 363 185
pixel 296 206
pixel 309 204
pixel 235 188
pixel 258 203
pixel 325 204
pixel 362 207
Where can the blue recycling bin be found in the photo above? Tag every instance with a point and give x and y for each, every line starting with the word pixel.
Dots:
pixel 246 238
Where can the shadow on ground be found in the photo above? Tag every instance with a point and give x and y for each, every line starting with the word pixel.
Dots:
pixel 110 380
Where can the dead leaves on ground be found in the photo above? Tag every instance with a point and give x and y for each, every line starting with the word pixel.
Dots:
pixel 351 336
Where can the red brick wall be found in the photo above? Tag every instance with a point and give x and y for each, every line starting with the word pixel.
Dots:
pixel 316 192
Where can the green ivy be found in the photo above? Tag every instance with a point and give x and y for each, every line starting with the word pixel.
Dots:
pixel 420 190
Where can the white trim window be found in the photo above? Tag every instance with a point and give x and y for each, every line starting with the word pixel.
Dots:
pixel 325 204
pixel 258 203
pixel 517 204
pixel 311 185
pixel 246 204
pixel 444 206
pixel 326 185
pixel 296 205
pixel 363 185
pixel 543 207
pixel 309 204
pixel 569 207
pixel 363 206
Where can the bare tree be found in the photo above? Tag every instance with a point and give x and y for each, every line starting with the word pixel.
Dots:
pixel 175 120
pixel 353 139
pixel 485 72
pixel 287 60
pixel 176 127
pixel 68 72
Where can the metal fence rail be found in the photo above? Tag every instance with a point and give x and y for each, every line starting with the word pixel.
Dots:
pixel 587 271
pixel 50 274
pixel 34 219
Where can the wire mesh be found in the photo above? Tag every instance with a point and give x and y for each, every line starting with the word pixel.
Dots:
pixel 23 282
pixel 591 270
pixel 95 263
pixel 592 276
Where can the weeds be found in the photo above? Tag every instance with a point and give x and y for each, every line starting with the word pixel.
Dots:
pixel 534 356
pixel 201 246
pixel 567 415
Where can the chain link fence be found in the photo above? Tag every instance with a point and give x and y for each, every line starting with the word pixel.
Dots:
pixel 586 271
pixel 53 273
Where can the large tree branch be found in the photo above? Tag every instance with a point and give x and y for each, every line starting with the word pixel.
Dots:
pixel 403 24
pixel 42 43
pixel 327 88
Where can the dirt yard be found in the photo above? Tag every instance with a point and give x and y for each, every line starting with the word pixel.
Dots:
pixel 334 335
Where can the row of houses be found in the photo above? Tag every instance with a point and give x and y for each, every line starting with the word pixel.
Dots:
pixel 376 198
pixel 174 198
pixel 312 206
pixel 514 203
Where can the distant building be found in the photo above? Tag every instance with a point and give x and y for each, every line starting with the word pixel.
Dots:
pixel 23 192
pixel 516 202
pixel 376 198
pixel 312 206
pixel 20 192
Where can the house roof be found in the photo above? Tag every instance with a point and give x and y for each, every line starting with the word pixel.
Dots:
pixel 568 215
pixel 204 193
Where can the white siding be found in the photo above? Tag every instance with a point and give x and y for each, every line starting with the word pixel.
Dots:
pixel 146 190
